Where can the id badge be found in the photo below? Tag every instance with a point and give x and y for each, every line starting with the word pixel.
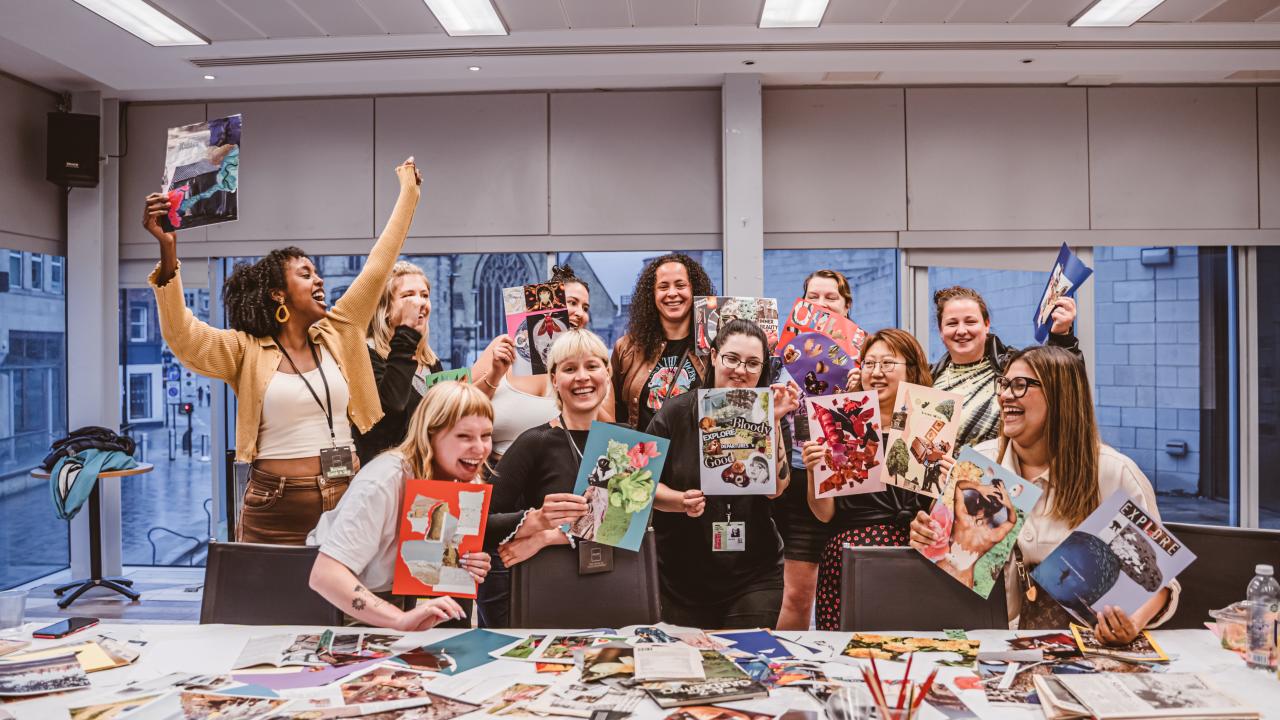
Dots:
pixel 337 463
pixel 728 536
pixel 594 558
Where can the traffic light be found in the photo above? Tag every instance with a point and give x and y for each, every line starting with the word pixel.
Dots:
pixel 187 408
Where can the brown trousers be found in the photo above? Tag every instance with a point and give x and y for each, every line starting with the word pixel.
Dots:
pixel 282 510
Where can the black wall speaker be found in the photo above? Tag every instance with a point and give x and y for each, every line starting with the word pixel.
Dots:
pixel 72 150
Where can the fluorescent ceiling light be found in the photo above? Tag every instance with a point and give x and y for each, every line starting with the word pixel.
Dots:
pixel 792 13
pixel 141 19
pixel 467 17
pixel 1115 13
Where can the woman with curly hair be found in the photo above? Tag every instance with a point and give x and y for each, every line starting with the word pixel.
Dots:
pixel 655 360
pixel 300 369
pixel 401 355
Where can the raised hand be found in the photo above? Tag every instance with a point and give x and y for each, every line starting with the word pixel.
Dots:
pixel 157 205
pixel 1064 315
pixel 409 176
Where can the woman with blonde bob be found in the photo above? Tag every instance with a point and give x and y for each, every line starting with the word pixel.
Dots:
pixel 450 435
pixel 1049 436
pixel 401 355
pixel 533 484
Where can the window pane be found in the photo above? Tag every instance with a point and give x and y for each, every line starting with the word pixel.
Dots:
pixel 1269 385
pixel 1011 297
pixel 1162 367
pixel 164 512
pixel 872 274
pixel 33 401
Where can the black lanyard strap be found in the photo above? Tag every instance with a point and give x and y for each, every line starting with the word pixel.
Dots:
pixel 327 405
pixel 572 443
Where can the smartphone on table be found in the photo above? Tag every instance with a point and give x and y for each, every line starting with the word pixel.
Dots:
pixel 65 627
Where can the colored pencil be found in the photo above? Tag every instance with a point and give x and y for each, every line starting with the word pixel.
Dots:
pixel 906 679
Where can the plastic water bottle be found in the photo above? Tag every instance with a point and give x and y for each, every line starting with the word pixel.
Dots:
pixel 1264 603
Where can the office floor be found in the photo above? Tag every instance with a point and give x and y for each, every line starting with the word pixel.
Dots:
pixel 169 594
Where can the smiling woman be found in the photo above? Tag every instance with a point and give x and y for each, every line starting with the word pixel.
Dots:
pixel 300 369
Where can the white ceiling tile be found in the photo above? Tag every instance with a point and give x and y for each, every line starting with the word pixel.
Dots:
pixel 664 13
pixel 209 19
pixel 597 13
pixel 339 18
pixel 1177 11
pixel 402 17
pixel 921 11
pixel 986 11
pixel 856 11
pixel 729 12
pixel 1053 12
pixel 1240 11
pixel 275 18
pixel 1273 16
pixel 528 15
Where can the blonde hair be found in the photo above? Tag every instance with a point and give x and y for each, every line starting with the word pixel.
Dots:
pixel 440 409
pixel 380 330
pixel 1070 429
pixel 571 344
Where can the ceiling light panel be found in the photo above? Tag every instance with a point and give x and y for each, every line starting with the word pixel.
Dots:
pixel 144 21
pixel 461 18
pixel 793 13
pixel 1115 13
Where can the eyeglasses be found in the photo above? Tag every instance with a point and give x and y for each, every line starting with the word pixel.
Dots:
pixel 1018 384
pixel 733 362
pixel 886 366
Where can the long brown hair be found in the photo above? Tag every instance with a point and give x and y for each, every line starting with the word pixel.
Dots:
pixel 645 323
pixel 1070 428
pixel 902 343
pixel 380 330
pixel 440 409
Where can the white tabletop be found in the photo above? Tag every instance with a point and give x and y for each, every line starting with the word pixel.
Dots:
pixel 213 649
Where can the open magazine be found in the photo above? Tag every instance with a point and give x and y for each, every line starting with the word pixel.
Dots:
pixel 441 521
pixel 1120 555
pixel 1124 696
pixel 1068 274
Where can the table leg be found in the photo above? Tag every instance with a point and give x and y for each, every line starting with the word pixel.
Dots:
pixel 95 579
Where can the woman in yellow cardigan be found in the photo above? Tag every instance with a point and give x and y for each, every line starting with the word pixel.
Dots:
pixel 300 369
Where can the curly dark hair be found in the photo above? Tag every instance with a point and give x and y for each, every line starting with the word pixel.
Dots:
pixel 645 324
pixel 246 294
pixel 564 275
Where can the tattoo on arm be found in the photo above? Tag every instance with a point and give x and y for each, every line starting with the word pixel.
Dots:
pixel 357 603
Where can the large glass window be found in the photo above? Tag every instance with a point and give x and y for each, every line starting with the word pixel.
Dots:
pixel 37 271
pixel 1268 270
pixel 33 402
pixel 872 274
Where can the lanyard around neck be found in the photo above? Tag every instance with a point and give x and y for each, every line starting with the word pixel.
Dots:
pixel 327 405
pixel 577 452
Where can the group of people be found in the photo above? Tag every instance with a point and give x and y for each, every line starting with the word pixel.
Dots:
pixel 333 418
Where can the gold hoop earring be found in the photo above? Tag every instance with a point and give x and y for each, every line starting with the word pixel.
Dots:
pixel 282 314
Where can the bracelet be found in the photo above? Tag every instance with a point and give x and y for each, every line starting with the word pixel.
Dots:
pixel 485 379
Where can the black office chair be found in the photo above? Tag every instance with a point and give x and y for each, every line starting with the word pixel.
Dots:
pixel 251 584
pixel 548 592
pixel 896 588
pixel 1220 574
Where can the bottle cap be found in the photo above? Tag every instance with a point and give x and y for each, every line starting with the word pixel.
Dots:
pixel 1264 570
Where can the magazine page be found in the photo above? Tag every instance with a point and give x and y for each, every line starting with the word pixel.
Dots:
pixel 819 351
pixel 618 477
pixel 457 653
pixel 676 694
pixel 202 174
pixel 1144 648
pixel 424 381
pixel 615 659
pixel 536 316
pixel 736 448
pixel 44 675
pixel 921 433
pixel 1152 695
pixel 281 651
pixel 1066 277
pixel 710 312
pixel 1120 555
pixel 847 426
pixel 441 521
pixel 981 511
pixel 559 648
pixel 668 662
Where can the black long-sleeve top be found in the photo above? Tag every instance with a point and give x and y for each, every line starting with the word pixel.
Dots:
pixel 394 377
pixel 540 462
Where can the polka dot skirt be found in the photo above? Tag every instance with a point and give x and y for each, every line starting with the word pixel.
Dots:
pixel 832 563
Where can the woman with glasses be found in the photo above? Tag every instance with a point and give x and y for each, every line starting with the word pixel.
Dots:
pixel 975 356
pixel 701 586
pixel 879 519
pixel 1050 437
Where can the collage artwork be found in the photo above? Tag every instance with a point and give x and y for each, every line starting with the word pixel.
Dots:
pixel 536 316
pixel 441 521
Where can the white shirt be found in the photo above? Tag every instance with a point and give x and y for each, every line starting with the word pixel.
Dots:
pixel 361 531
pixel 293 424
pixel 1041 532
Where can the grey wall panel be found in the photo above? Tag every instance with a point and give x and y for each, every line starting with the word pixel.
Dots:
pixel 1173 157
pixel 142 167
pixel 483 158
pixel 834 160
pixel 635 162
pixel 1269 155
pixel 997 159
pixel 29 204
pixel 306 170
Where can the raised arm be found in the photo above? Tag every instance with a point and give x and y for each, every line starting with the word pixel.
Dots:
pixel 357 304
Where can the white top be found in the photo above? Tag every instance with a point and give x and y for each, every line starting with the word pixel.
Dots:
pixel 293 424
pixel 1042 533
pixel 360 532
pixel 515 411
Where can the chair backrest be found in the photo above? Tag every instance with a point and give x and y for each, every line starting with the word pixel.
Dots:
pixel 896 588
pixel 250 584
pixel 1220 574
pixel 548 592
